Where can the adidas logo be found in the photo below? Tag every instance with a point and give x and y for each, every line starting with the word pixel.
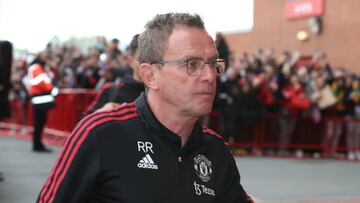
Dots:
pixel 147 162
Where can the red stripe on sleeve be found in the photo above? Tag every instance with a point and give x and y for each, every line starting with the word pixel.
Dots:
pixel 128 116
pixel 97 97
pixel 70 143
pixel 207 130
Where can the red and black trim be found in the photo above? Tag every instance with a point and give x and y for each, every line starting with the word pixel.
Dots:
pixel 208 130
pixel 77 137
pixel 106 86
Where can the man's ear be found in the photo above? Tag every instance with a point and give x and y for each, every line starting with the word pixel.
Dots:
pixel 147 73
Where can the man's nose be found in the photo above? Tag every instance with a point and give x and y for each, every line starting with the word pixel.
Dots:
pixel 209 73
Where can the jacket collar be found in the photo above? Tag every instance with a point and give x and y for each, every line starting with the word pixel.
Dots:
pixel 156 127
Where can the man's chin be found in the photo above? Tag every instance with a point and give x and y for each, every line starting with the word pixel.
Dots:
pixel 205 110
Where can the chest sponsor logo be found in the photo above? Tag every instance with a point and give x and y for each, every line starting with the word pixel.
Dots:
pixel 202 189
pixel 147 162
pixel 202 167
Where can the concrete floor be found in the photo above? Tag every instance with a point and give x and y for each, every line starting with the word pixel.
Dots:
pixel 300 180
pixel 269 180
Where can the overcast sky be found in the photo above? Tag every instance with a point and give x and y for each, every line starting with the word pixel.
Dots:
pixel 32 23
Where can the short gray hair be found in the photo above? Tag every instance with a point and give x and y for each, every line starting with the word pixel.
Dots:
pixel 153 41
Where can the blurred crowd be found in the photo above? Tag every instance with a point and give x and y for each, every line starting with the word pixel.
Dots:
pixel 286 86
pixel 70 68
pixel 265 82
pixel 290 86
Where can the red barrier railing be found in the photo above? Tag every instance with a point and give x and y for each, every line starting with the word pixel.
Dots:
pixel 70 104
pixel 328 137
pixel 307 134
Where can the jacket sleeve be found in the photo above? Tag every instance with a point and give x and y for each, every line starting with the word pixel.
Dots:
pixel 233 192
pixel 74 175
pixel 101 99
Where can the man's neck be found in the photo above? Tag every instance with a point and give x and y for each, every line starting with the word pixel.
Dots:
pixel 171 118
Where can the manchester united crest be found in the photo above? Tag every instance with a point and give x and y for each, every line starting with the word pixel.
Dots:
pixel 202 167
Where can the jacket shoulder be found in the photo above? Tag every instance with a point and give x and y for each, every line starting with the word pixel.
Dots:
pixel 96 119
pixel 213 135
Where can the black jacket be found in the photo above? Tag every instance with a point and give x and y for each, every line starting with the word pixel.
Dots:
pixel 125 91
pixel 127 155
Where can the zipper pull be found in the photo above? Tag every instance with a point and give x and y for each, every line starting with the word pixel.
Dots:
pixel 180 159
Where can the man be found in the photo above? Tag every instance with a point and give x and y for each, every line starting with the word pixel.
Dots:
pixel 222 48
pixel 154 149
pixel 126 89
pixel 42 98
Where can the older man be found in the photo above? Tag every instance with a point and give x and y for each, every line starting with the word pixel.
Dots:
pixel 154 149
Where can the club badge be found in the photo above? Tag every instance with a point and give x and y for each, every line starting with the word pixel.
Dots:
pixel 202 167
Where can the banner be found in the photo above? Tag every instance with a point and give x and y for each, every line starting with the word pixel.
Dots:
pixel 295 9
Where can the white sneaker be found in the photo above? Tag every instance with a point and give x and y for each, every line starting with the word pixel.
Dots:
pixel 24 131
pixel 299 153
pixel 351 156
pixel 316 155
pixel 358 155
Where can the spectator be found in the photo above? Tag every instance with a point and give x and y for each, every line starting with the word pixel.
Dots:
pixel 113 48
pixel 323 99
pixel 294 101
pixel 229 94
pixel 222 47
pixel 101 44
pixel 123 90
pixel 339 109
pixel 352 103
pixel 251 110
pixel 88 72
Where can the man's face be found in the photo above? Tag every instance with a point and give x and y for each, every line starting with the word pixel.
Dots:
pixel 188 95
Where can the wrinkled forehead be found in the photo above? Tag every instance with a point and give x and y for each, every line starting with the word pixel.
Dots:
pixel 190 41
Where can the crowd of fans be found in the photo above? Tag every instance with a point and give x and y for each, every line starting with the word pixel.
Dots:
pixel 261 83
pixel 70 68
pixel 290 86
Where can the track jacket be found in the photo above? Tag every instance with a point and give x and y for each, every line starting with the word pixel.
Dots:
pixel 127 90
pixel 127 156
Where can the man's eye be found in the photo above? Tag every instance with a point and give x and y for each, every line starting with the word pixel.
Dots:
pixel 193 64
